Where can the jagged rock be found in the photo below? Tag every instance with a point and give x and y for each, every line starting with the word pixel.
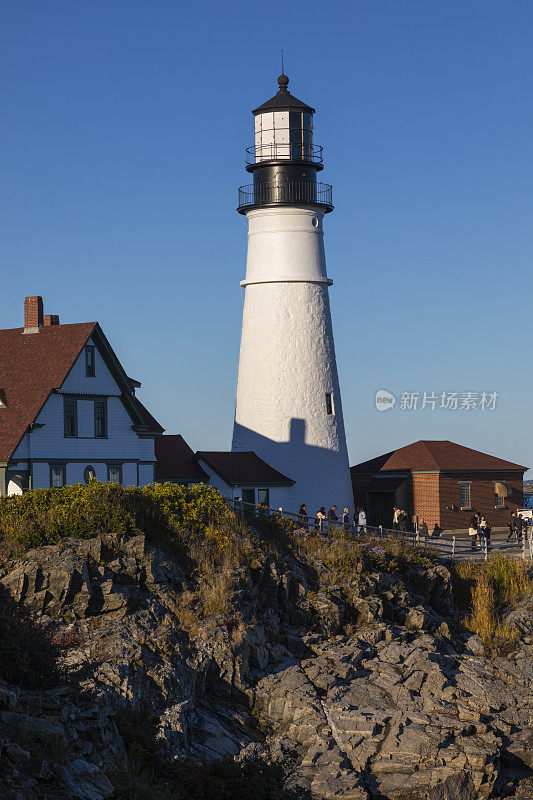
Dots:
pixel 86 782
pixel 298 672
pixel 475 645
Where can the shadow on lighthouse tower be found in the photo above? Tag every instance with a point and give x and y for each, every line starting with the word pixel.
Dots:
pixel 288 405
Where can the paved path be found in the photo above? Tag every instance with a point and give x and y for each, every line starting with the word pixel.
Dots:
pixel 498 542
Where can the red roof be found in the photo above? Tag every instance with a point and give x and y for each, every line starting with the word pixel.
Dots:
pixel 244 469
pixel 427 455
pixel 34 364
pixel 176 462
pixel 31 366
pixel 150 421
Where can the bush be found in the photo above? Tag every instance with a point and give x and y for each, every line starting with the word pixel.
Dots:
pixel 46 516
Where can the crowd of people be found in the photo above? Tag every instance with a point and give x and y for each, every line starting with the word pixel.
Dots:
pixel 479 529
pixel 322 518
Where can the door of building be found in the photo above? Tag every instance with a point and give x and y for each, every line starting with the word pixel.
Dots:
pixel 380 508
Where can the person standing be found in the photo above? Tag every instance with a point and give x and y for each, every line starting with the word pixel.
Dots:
pixel 512 526
pixel 320 518
pixel 395 515
pixel 482 530
pixel 521 526
pixel 346 520
pixel 333 517
pixel 361 520
pixel 472 531
pixel 423 529
pixel 402 520
pixel 302 516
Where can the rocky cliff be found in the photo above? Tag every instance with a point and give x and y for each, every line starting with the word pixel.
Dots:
pixel 369 687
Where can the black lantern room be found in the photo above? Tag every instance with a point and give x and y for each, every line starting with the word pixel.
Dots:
pixel 284 161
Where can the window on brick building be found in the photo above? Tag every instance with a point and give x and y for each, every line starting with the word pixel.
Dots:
pixel 465 495
pixel 500 493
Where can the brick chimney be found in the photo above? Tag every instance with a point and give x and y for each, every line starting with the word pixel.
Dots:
pixel 33 314
pixel 51 319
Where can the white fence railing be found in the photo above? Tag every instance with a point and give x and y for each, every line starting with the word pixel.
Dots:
pixel 447 547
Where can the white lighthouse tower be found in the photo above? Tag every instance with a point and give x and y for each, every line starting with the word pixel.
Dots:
pixel 288 407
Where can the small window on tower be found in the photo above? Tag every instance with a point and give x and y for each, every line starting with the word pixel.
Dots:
pixel 329 403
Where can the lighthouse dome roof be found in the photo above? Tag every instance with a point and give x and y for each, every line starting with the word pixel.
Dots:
pixel 283 100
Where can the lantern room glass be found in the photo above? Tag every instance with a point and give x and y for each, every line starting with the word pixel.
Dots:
pixel 283 135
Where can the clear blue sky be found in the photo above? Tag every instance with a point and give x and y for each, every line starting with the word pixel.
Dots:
pixel 123 129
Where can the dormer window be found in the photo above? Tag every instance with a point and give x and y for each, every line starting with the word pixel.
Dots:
pixel 90 368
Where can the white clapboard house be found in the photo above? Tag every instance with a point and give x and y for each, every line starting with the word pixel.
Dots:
pixel 68 410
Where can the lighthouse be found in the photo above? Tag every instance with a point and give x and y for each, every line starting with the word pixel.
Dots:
pixel 288 404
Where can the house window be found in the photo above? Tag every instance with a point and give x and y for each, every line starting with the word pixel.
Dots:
pixel 70 416
pixel 89 362
pixel 329 403
pixel 465 495
pixel 114 473
pixel 248 497
pixel 500 493
pixel 58 476
pixel 263 498
pixel 100 419
pixel 89 474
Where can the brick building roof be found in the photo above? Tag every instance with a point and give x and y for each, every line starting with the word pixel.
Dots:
pixel 427 455
pixel 176 461
pixel 244 468
pixel 32 365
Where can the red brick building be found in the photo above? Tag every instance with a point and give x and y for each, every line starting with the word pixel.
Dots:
pixel 440 482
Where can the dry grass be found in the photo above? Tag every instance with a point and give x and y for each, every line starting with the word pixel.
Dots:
pixel 486 589
pixel 215 593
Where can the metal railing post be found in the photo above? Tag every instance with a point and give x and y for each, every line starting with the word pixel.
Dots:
pixel 486 547
pixel 381 531
pixel 453 547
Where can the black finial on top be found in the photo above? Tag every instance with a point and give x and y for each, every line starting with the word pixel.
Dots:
pixel 283 81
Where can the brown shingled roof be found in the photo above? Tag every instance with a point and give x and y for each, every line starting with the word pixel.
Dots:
pixel 31 366
pixel 150 421
pixel 244 468
pixel 176 461
pixel 427 455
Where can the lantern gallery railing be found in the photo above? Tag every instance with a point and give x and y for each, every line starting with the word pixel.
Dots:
pixel 284 152
pixel 285 192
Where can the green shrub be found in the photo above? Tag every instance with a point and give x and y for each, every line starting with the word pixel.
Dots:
pixel 46 516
